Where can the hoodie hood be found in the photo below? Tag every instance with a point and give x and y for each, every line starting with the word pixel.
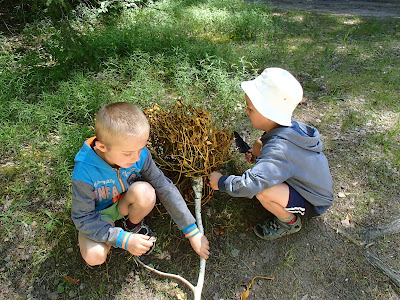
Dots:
pixel 90 157
pixel 302 135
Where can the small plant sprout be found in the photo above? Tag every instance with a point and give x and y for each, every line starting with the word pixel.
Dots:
pixel 53 220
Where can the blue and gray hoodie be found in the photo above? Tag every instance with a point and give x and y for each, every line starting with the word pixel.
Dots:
pixel 96 185
pixel 292 155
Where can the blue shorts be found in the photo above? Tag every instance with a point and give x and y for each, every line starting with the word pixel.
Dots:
pixel 298 205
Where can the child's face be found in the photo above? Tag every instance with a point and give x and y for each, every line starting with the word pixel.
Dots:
pixel 123 152
pixel 255 117
pixel 258 120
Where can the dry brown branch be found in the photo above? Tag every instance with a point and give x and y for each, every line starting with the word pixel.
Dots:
pixel 186 144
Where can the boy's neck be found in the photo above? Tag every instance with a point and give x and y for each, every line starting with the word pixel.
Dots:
pixel 270 125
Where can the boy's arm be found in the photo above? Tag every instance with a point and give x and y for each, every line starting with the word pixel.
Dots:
pixel 167 193
pixel 257 147
pixel 271 168
pixel 86 219
pixel 200 245
pixel 89 223
pixel 255 151
pixel 170 197
pixel 213 178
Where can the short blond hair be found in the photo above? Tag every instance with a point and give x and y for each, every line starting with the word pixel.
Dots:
pixel 119 120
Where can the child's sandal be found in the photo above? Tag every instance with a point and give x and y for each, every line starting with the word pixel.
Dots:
pixel 143 228
pixel 272 229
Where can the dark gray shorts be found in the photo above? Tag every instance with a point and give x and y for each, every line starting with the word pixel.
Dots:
pixel 298 205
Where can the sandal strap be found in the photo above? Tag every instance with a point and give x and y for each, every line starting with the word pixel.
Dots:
pixel 142 228
pixel 274 224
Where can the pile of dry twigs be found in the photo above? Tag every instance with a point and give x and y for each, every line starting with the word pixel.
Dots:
pixel 186 144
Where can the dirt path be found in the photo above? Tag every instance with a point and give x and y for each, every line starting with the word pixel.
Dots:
pixel 390 8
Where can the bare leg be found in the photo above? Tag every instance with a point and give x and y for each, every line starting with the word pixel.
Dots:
pixel 138 201
pixel 275 200
pixel 92 252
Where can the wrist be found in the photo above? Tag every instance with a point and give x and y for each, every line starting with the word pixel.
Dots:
pixel 221 183
pixel 190 230
pixel 122 239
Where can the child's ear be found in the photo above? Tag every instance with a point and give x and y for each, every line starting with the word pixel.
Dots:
pixel 99 145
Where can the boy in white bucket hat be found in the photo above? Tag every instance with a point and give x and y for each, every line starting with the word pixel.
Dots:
pixel 291 175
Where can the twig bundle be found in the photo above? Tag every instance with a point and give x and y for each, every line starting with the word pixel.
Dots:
pixel 185 144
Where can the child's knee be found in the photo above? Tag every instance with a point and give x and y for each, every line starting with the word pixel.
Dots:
pixel 143 191
pixel 95 255
pixel 265 196
pixel 278 193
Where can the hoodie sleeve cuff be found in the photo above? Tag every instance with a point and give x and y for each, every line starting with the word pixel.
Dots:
pixel 122 240
pixel 221 183
pixel 191 230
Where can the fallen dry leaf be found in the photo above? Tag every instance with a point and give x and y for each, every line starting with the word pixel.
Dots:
pixel 346 222
pixel 246 293
pixel 72 280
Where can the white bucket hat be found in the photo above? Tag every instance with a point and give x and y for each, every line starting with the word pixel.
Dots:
pixel 275 94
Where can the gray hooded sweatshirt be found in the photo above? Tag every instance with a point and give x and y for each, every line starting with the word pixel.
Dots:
pixel 292 155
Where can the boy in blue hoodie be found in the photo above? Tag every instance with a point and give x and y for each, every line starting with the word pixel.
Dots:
pixel 291 175
pixel 115 177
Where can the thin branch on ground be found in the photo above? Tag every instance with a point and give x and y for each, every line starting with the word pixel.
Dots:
pixel 387 229
pixel 371 257
pixel 393 275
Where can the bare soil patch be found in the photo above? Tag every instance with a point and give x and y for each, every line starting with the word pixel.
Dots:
pixel 381 9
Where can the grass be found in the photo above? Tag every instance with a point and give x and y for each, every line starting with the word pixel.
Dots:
pixel 54 78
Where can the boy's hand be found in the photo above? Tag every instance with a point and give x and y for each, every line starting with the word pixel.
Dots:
pixel 257 147
pixel 250 157
pixel 214 177
pixel 200 245
pixel 139 244
pixel 254 152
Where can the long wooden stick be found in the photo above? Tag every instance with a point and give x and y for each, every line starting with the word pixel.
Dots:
pixel 372 258
pixel 174 276
pixel 391 228
pixel 197 184
pixel 394 275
